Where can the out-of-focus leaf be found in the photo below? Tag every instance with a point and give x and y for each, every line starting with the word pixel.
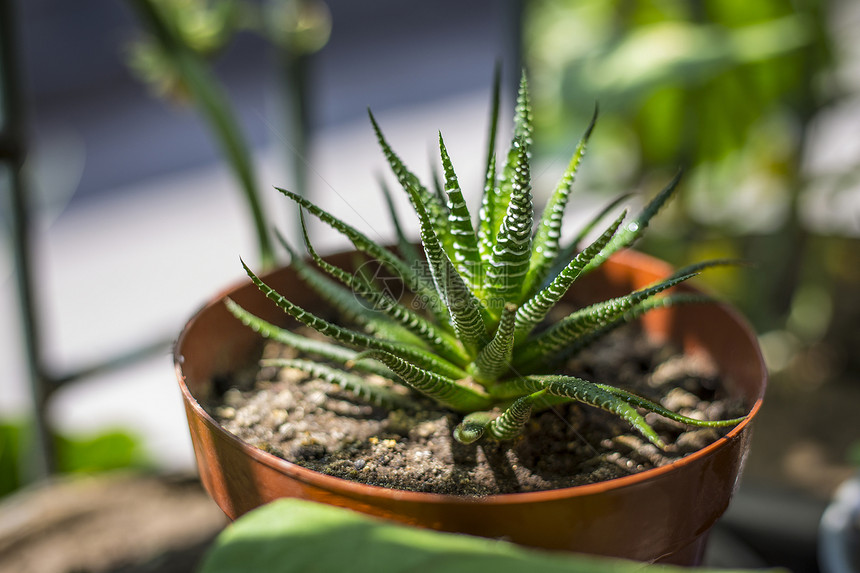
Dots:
pixel 292 535
pixel 672 52
pixel 10 453
pixel 102 452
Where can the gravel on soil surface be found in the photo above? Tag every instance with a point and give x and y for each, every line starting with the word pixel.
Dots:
pixel 317 425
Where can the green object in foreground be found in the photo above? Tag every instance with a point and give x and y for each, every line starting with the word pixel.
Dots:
pixel 294 535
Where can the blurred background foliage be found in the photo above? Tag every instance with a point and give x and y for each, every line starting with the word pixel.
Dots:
pixel 728 91
pixel 722 89
pixel 78 454
pixel 175 56
pixel 755 101
pixel 205 27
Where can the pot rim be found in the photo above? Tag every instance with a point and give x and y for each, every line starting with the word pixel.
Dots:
pixel 347 487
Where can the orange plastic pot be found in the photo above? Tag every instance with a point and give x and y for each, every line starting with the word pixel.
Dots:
pixel 660 515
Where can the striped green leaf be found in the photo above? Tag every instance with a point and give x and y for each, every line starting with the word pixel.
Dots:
pixel 511 422
pixel 509 261
pixel 520 144
pixel 415 355
pixel 366 366
pixel 461 304
pixel 411 278
pixel 301 343
pixel 505 426
pixel 431 202
pixel 551 343
pixel 641 402
pixel 585 340
pixel 568 251
pixel 345 301
pixel 486 225
pixel 439 187
pixel 634 229
pixel 440 341
pixel 495 358
pixel 405 247
pixel 589 393
pixel 353 383
pixel 465 243
pixel 532 312
pixel 487 228
pixel 545 246
pixel 442 388
pixel 709 264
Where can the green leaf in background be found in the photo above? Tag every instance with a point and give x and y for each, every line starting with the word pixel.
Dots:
pixel 291 535
pixel 854 454
pixel 10 456
pixel 727 89
pixel 106 451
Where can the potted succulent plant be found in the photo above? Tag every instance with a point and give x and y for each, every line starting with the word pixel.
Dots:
pixel 486 331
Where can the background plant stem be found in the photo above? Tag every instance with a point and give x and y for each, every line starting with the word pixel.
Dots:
pixel 213 104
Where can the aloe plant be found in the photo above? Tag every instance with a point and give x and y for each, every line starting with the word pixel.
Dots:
pixel 481 345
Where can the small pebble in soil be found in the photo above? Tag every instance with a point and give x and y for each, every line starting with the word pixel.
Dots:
pixel 359 464
pixel 226 412
pixel 678 398
pixel 277 417
pixel 696 439
pixel 286 431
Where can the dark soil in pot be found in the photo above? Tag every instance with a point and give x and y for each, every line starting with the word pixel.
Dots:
pixel 317 425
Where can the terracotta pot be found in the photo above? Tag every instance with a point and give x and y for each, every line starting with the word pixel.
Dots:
pixel 663 514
